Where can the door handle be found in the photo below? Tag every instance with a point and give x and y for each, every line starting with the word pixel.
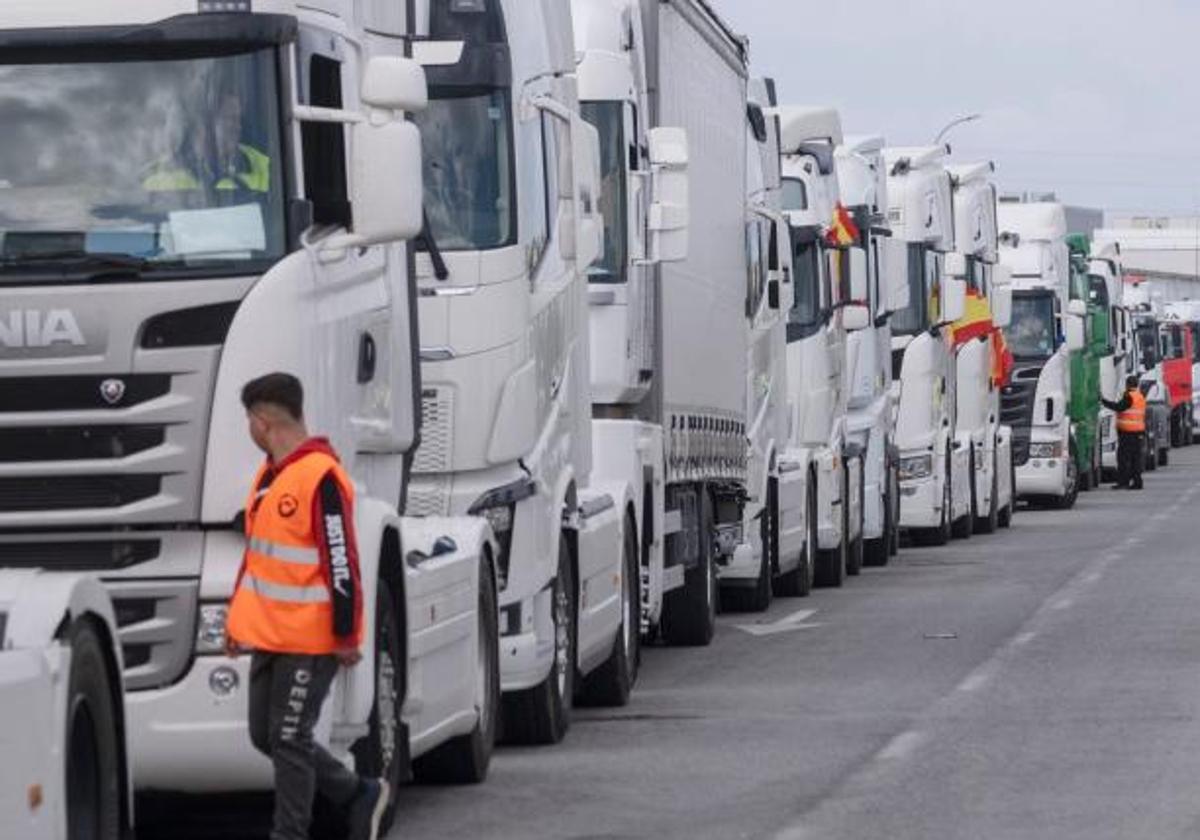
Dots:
pixel 366 358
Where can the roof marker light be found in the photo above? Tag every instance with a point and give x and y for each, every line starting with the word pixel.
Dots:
pixel 223 6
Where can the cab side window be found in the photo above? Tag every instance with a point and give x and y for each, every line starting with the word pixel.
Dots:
pixel 324 144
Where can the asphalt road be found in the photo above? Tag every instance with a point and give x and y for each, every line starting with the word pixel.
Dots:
pixel 1042 682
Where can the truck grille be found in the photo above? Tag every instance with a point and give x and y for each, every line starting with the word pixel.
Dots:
pixel 1016 408
pixel 78 556
pixel 77 443
pixel 23 495
pixel 435 454
pixel 79 393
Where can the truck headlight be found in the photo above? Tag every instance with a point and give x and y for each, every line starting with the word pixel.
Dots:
pixel 1046 450
pixel 210 629
pixel 915 467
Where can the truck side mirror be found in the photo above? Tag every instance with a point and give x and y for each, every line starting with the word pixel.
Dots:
pixel 669 217
pixel 386 162
pixel 953 299
pixel 893 257
pixel 1001 296
pixel 855 317
pixel 956 265
pixel 858 277
pixel 589 223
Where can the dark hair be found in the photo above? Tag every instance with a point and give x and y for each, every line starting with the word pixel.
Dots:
pixel 277 389
pixel 1131 381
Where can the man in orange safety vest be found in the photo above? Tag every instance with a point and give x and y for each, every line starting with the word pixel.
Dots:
pixel 1131 432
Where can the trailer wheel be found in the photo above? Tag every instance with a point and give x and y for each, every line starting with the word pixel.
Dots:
pixel 612 683
pixel 542 714
pixel 798 583
pixel 465 760
pixel 690 612
pixel 93 777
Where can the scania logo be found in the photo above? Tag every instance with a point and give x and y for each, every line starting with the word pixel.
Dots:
pixel 24 328
pixel 112 390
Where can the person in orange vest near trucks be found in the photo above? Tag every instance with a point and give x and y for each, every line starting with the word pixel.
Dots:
pixel 1131 433
pixel 297 608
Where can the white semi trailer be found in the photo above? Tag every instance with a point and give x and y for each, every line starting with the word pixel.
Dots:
pixel 977 366
pixel 512 192
pixel 821 471
pixel 1045 328
pixel 935 501
pixel 874 393
pixel 665 83
pixel 65 772
pixel 123 445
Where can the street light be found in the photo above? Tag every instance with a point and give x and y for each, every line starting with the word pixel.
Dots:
pixel 953 124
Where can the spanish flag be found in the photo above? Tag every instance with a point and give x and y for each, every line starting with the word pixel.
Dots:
pixel 1002 359
pixel 842 231
pixel 976 321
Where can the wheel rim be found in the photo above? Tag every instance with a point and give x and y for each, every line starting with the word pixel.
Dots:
pixel 562 636
pixel 83 774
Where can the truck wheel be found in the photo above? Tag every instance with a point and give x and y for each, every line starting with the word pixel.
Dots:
pixel 987 524
pixel 940 535
pixel 894 509
pixel 1006 514
pixel 831 562
pixel 1150 453
pixel 465 760
pixel 383 753
pixel 965 526
pixel 854 559
pixel 798 583
pixel 757 598
pixel 93 778
pixel 1164 457
pixel 878 551
pixel 690 612
pixel 542 714
pixel 1068 499
pixel 612 683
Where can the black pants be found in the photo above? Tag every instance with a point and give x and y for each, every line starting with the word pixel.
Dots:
pixel 286 694
pixel 1129 459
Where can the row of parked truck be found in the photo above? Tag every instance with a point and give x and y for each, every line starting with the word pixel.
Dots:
pixel 608 334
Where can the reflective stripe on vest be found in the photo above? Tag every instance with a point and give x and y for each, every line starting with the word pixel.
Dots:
pixel 283 603
pixel 287 594
pixel 1133 419
pixel 256 179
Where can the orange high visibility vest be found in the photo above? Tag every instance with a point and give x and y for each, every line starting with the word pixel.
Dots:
pixel 283 603
pixel 1133 419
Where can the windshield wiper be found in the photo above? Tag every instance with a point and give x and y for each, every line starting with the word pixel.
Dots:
pixel 429 242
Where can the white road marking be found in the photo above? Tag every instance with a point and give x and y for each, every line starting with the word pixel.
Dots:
pixel 974 681
pixel 902 746
pixel 787 624
pixel 1024 638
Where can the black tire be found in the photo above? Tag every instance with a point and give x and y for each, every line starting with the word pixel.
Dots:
pixel 831 563
pixel 757 597
pixel 877 552
pixel 542 714
pixel 939 536
pixel 964 527
pixel 613 682
pixel 894 499
pixel 798 583
pixel 383 753
pixel 690 612
pixel 1067 501
pixel 1085 479
pixel 854 558
pixel 93 739
pixel 465 760
pixel 1164 457
pixel 1150 455
pixel 988 524
pixel 1006 513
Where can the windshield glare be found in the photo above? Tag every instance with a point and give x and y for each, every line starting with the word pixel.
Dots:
pixel 176 163
pixel 608 119
pixel 1032 334
pixel 467 139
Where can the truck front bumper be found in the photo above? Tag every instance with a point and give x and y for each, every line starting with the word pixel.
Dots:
pixel 921 503
pixel 526 642
pixel 1042 477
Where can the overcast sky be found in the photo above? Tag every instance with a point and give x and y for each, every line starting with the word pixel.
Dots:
pixel 1094 99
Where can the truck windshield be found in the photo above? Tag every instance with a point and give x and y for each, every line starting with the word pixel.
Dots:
pixel 148 165
pixel 915 317
pixel 805 315
pixel 1147 339
pixel 1032 333
pixel 466 134
pixel 608 118
pixel 1195 342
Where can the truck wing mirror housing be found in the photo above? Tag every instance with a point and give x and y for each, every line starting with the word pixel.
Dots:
pixel 588 232
pixel 953 298
pixel 1074 328
pixel 386 183
pixel 670 208
pixel 858 275
pixel 1001 296
pixel 893 268
pixel 956 265
pixel 855 317
pixel 391 83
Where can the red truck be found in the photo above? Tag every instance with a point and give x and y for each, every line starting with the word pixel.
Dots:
pixel 1175 340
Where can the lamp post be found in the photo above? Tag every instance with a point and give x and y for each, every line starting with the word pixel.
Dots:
pixel 954 124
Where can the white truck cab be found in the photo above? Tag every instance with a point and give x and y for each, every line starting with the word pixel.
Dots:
pixel 1105 264
pixel 229 195
pixel 822 465
pixel 979 346
pixel 935 501
pixel 1045 327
